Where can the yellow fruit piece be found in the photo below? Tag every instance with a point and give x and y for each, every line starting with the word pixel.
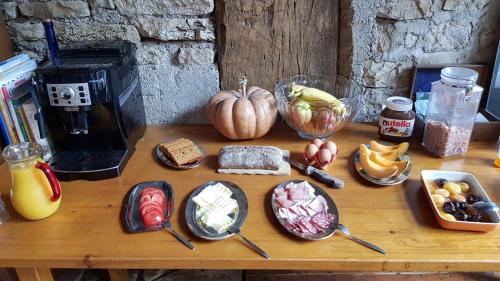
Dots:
pixel 443 192
pixel 448 217
pixel 452 187
pixel 438 200
pixel 465 187
pixel 400 148
pixel 497 162
pixel 377 158
pixel 393 155
pixel 313 94
pixel 374 170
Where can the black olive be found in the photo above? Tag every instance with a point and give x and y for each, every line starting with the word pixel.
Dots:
pixel 472 198
pixel 461 216
pixel 449 207
pixel 440 182
pixel 474 218
pixel 460 205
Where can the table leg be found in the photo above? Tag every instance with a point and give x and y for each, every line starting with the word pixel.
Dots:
pixel 34 274
pixel 118 274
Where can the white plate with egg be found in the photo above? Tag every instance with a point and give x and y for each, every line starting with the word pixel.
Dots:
pixel 214 207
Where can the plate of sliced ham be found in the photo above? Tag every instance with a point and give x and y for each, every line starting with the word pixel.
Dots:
pixel 148 207
pixel 304 210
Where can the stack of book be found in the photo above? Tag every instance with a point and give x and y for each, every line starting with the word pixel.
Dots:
pixel 18 102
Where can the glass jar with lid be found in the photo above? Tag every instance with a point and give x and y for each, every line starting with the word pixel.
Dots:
pixel 451 113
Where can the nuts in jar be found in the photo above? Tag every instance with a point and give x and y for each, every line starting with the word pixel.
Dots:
pixel 396 120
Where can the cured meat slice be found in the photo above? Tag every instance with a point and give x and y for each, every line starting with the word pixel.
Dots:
pixel 305 223
pixel 283 202
pixel 318 204
pixel 323 220
pixel 298 192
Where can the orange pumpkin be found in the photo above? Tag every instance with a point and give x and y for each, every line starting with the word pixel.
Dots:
pixel 242 114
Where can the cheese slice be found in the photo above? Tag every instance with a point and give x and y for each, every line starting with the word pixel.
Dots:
pixel 214 207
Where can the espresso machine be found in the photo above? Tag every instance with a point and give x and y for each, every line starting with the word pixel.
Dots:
pixel 93 109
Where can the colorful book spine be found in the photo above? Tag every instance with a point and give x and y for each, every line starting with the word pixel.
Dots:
pixel 30 112
pixel 7 115
pixel 23 127
pixel 10 113
pixel 24 118
pixel 7 120
pixel 10 63
pixel 4 132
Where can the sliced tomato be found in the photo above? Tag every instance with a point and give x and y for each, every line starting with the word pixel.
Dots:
pixel 152 190
pixel 151 208
pixel 153 218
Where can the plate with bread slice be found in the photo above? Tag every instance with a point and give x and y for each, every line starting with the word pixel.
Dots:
pixel 181 153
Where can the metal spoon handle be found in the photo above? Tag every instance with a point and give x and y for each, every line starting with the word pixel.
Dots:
pixel 367 244
pixel 179 237
pixel 253 246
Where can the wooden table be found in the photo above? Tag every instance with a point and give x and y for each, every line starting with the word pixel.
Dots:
pixel 86 231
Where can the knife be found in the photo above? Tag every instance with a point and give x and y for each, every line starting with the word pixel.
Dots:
pixel 329 180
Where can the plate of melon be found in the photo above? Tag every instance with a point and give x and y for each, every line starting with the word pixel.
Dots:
pixel 382 163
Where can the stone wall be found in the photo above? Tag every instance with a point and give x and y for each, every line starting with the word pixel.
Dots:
pixel 384 39
pixel 175 45
pixel 380 42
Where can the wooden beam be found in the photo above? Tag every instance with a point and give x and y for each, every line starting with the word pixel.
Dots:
pixel 268 40
pixel 34 274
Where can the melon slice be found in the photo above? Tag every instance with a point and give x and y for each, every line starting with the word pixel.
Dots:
pixel 400 148
pixel 375 170
pixel 401 165
pixel 391 155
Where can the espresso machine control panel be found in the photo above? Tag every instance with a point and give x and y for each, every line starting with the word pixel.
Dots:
pixel 75 94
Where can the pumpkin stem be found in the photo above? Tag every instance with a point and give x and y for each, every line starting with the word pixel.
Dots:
pixel 243 84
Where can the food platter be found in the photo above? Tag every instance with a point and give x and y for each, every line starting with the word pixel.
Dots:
pixel 493 217
pixel 131 217
pixel 165 160
pixel 198 229
pixel 385 182
pixel 332 209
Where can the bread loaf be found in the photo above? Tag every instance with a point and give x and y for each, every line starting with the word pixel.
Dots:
pixel 250 157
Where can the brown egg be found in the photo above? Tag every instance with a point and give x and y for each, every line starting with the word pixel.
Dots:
pixel 317 142
pixel 310 153
pixel 330 145
pixel 324 157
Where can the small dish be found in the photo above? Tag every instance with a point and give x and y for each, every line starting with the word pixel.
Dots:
pixel 206 232
pixel 165 160
pixel 332 209
pixel 428 176
pixel 131 216
pixel 385 182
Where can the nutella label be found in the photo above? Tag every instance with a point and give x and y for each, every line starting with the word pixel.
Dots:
pixel 396 127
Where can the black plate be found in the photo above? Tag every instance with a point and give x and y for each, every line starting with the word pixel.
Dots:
pixel 131 216
pixel 209 233
pixel 332 209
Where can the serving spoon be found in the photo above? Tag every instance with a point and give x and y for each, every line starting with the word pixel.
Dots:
pixel 485 206
pixel 347 233
pixel 256 248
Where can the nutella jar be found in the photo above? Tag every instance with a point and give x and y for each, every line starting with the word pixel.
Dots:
pixel 396 120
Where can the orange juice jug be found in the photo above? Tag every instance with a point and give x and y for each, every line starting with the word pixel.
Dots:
pixel 35 193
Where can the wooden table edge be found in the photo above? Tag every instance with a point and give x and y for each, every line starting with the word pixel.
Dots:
pixel 332 265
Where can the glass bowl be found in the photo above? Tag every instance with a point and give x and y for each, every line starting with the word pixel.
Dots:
pixel 312 114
